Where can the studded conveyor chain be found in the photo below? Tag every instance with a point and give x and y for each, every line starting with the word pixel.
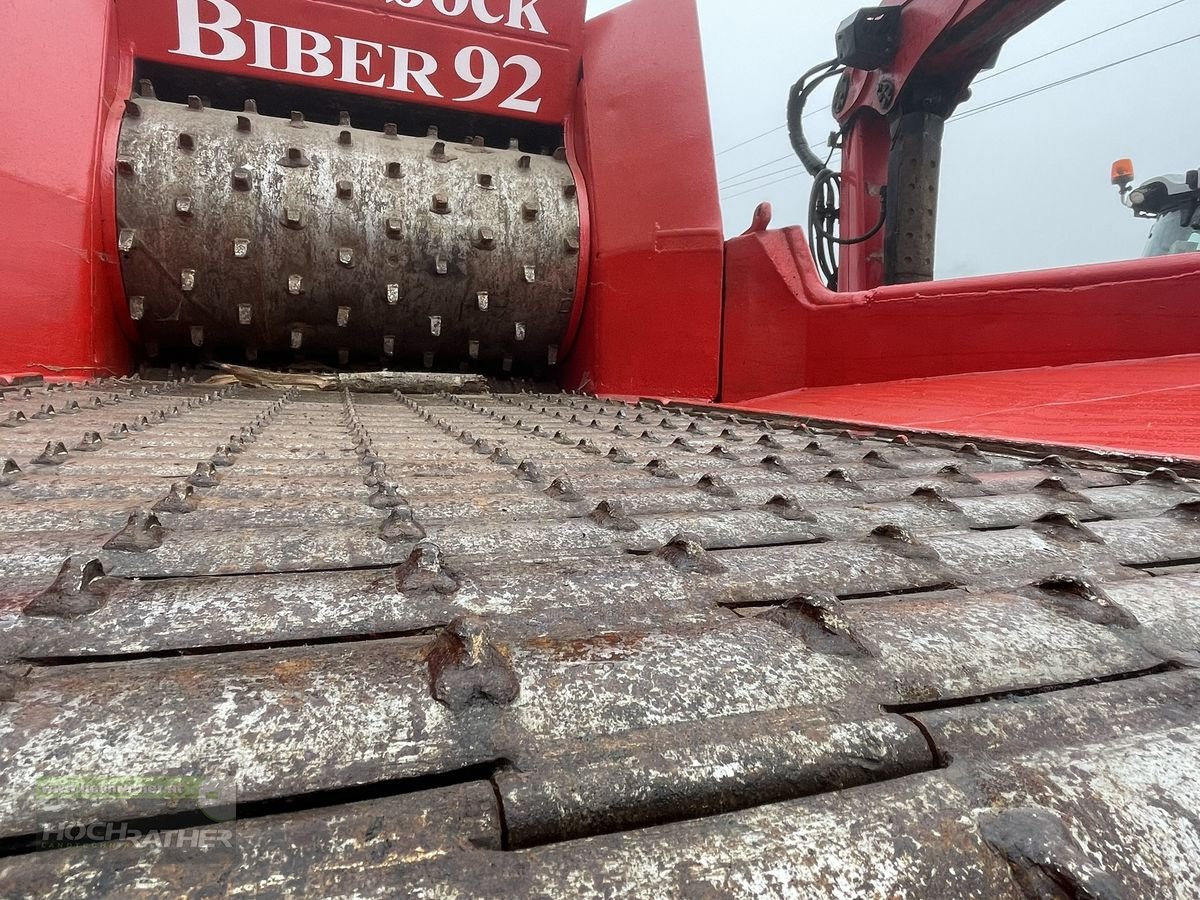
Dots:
pixel 243 235
pixel 545 645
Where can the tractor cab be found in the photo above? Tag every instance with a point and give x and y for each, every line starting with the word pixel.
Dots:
pixel 1172 201
pixel 1177 230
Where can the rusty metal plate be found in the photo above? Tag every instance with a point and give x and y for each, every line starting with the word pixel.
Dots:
pixel 669 652
pixel 305 719
pixel 1109 820
pixel 280 855
pixel 1073 716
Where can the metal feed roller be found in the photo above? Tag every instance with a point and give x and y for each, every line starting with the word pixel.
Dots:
pixel 244 235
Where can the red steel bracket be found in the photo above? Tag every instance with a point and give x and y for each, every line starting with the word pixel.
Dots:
pixel 56 274
pixel 652 322
pixel 784 330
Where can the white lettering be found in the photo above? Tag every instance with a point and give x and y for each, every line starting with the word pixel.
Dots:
pixel 524 9
pixel 295 52
pixel 117 831
pixel 485 82
pixel 299 51
pixel 262 46
pixel 457 9
pixel 355 62
pixel 190 28
pixel 483 14
pixel 522 14
pixel 405 74
pixel 533 74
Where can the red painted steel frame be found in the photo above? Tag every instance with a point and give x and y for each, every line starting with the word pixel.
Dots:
pixel 59 285
pixel 784 330
pixel 864 177
pixel 939 37
pixel 652 322
pixel 1139 407
pixel 942 36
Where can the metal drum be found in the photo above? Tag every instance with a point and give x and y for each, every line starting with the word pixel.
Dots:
pixel 246 235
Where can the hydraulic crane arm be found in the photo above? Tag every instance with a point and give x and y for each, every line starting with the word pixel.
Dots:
pixel 908 64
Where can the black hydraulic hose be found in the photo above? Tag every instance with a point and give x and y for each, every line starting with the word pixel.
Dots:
pixel 822 205
pixel 826 190
pixel 823 211
pixel 797 100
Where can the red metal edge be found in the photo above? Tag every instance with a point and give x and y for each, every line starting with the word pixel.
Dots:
pixel 864 174
pixel 576 147
pixel 784 330
pixel 1139 407
pixel 651 321
pixel 58 320
pixel 114 332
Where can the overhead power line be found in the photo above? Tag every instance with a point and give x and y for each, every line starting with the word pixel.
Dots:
pixel 1082 40
pixel 799 170
pixel 738 184
pixel 1005 101
pixel 1046 87
pixel 769 162
pixel 984 78
pixel 770 131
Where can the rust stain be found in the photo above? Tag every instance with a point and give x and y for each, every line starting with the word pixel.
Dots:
pixel 288 671
pixel 609 644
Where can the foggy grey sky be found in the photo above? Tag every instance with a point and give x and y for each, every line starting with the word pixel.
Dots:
pixel 1024 186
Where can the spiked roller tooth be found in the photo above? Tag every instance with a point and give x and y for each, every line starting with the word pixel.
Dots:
pixel 91 442
pixel 205 476
pixel 80 588
pixel 9 471
pixel 142 533
pixel 425 572
pixel 386 496
pixel 180 499
pixel 685 554
pixel 401 527
pixel 611 514
pixel 55 454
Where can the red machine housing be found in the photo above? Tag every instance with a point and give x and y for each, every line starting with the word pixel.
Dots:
pixel 648 185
